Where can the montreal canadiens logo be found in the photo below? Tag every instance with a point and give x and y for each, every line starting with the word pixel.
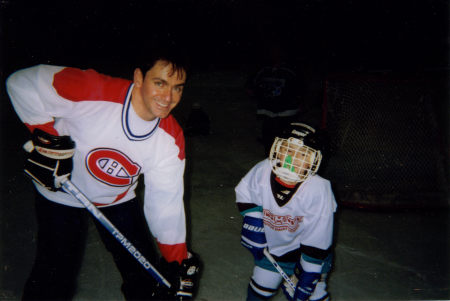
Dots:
pixel 112 167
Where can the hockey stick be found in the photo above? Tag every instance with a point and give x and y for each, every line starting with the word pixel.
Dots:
pixel 70 188
pixel 279 269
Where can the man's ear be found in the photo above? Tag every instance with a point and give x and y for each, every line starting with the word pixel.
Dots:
pixel 138 77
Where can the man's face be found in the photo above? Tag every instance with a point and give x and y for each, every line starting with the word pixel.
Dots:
pixel 158 91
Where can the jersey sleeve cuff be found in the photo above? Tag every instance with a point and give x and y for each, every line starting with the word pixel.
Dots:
pixel 176 252
pixel 46 127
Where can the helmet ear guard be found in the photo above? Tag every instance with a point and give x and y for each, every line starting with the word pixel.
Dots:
pixel 292 159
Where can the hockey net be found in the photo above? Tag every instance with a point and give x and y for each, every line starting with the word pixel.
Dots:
pixel 388 140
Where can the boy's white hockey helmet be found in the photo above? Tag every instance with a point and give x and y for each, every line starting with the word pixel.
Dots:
pixel 296 153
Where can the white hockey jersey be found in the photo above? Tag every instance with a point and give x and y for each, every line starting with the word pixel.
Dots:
pixel 113 145
pixel 307 219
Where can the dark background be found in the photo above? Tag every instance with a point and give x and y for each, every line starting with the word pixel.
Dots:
pixel 320 38
pixel 333 35
pixel 385 255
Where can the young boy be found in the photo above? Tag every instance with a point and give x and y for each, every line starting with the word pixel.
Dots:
pixel 289 210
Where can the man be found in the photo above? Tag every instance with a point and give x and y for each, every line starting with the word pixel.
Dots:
pixel 277 90
pixel 103 133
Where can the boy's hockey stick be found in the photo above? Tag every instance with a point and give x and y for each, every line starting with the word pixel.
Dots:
pixel 279 269
pixel 75 192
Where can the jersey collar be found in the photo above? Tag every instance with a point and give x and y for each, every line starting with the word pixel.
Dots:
pixel 133 128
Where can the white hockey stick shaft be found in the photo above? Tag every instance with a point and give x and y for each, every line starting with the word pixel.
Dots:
pixel 279 269
pixel 70 188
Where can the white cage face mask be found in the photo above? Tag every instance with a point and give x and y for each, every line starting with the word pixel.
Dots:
pixel 292 161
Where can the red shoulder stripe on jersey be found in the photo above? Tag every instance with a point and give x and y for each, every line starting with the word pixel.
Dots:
pixel 78 85
pixel 46 127
pixel 177 252
pixel 171 126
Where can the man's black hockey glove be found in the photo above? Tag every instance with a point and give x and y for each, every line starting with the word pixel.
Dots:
pixel 184 278
pixel 188 277
pixel 49 159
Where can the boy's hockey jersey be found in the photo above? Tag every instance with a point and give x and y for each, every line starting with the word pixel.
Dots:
pixel 113 145
pixel 307 219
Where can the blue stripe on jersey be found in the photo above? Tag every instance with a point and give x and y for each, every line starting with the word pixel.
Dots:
pixel 253 209
pixel 125 121
pixel 288 267
pixel 312 260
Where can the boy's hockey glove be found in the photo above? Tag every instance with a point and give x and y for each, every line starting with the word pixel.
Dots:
pixel 305 284
pixel 253 236
pixel 49 159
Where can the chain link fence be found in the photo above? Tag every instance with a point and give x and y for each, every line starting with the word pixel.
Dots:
pixel 388 140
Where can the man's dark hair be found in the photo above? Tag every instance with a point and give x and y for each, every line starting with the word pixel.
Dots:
pixel 171 54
